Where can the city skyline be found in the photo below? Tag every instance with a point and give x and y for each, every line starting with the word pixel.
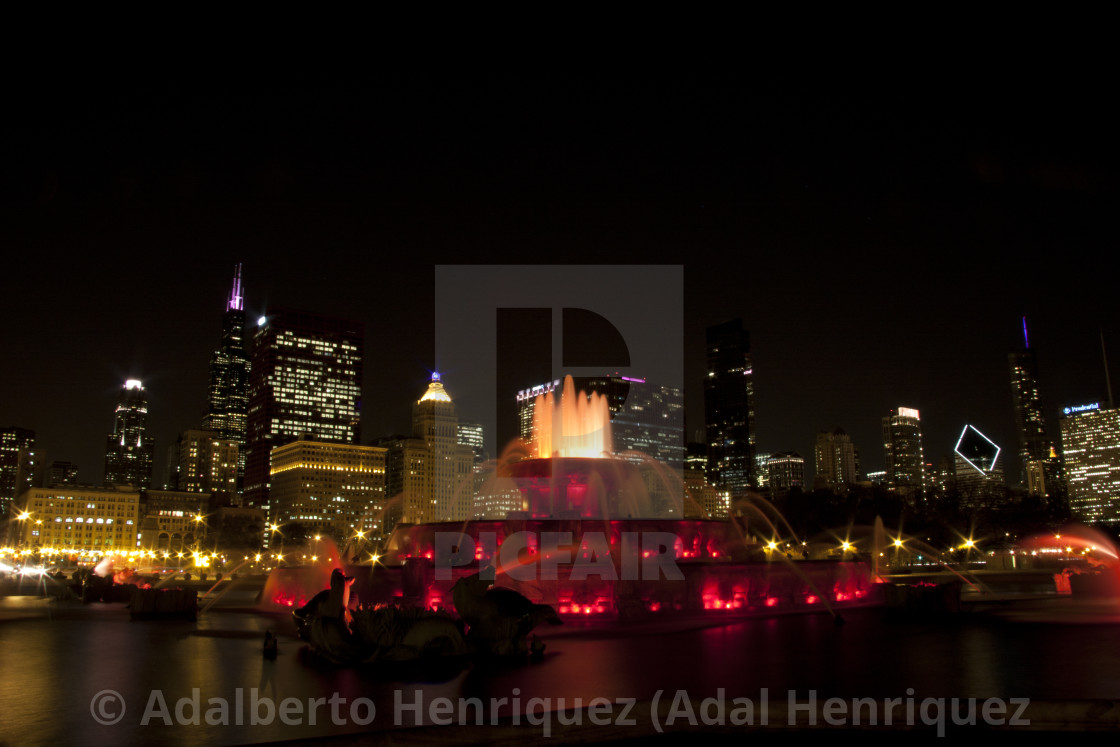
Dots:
pixel 883 260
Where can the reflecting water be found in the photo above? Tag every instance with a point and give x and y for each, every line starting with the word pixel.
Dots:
pixel 56 657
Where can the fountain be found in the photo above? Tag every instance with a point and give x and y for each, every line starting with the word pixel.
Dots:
pixel 601 536
pixel 1089 560
pixel 293 586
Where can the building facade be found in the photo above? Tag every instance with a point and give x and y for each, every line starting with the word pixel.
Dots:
pixel 228 394
pixel 77 518
pixel 204 463
pixel 129 448
pixel 729 408
pixel 337 490
pixel 174 521
pixel 837 466
pixel 305 382
pixel 786 472
pixel 1091 461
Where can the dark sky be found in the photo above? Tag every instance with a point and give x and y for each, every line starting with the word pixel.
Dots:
pixel 880 239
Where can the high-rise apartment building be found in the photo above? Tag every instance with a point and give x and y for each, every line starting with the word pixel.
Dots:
pixel 729 408
pixel 1038 464
pixel 129 448
pixel 337 490
pixel 16 446
pixel 305 383
pixel 836 460
pixel 902 447
pixel 228 395
pixel 431 471
pixel 1091 461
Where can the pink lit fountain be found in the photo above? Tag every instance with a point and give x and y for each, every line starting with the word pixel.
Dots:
pixel 601 537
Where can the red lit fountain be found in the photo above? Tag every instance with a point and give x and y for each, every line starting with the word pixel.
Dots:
pixel 600 537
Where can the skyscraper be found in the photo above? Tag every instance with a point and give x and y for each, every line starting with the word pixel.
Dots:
pixel 305 382
pixel 902 447
pixel 1091 455
pixel 431 471
pixel 729 408
pixel 205 463
pixel 128 449
pixel 1035 446
pixel 836 460
pixel 228 403
pixel 15 446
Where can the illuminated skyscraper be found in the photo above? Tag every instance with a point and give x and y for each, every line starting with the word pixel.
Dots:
pixel 305 382
pixel 1091 456
pixel 129 449
pixel 1038 467
pixel 902 447
pixel 16 444
pixel 431 471
pixel 228 404
pixel 729 408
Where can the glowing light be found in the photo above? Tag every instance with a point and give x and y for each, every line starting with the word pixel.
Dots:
pixel 436 392
pixel 908 412
pixel 133 384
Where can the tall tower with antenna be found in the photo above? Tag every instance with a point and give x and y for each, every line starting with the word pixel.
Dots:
pixel 228 395
pixel 1038 463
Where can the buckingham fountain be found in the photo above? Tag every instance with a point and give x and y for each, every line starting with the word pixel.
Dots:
pixel 601 537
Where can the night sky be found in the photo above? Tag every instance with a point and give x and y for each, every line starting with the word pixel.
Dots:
pixel 880 241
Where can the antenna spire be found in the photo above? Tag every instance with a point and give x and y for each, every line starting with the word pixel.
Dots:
pixel 1026 342
pixel 236 300
pixel 1107 380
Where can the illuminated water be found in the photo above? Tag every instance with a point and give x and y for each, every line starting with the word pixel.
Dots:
pixel 54 662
